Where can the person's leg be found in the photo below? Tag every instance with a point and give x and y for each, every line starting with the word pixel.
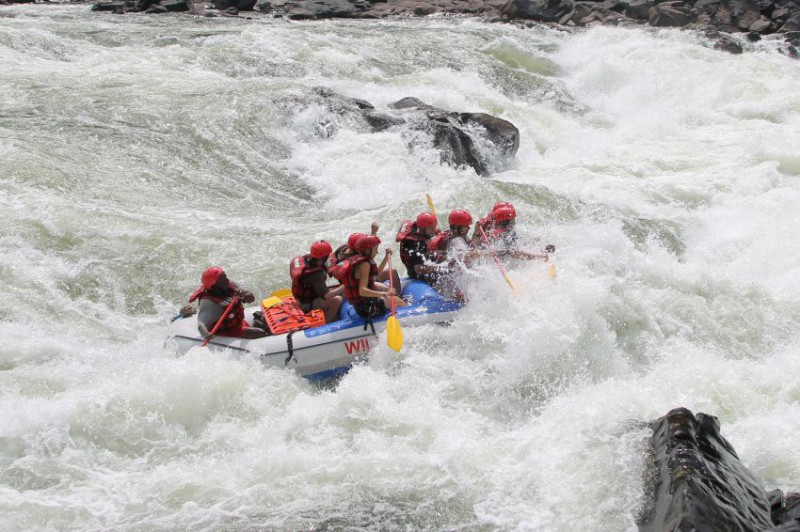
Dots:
pixel 253 332
pixel 330 307
pixel 399 302
pixel 384 276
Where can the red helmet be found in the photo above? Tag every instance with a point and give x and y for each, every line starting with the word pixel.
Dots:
pixel 320 249
pixel 367 242
pixel 504 213
pixel 211 276
pixel 501 204
pixel 352 239
pixel 459 217
pixel 426 220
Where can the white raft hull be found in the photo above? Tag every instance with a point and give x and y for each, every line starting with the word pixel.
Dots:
pixel 327 351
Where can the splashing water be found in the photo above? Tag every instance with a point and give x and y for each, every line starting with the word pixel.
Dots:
pixel 136 151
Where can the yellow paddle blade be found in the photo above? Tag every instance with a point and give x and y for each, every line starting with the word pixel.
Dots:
pixel 283 292
pixel 430 204
pixel 511 284
pixel 271 302
pixel 552 272
pixel 394 334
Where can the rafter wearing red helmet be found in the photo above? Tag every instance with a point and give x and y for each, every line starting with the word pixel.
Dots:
pixel 499 227
pixel 452 251
pixel 309 287
pixel 337 262
pixel 362 289
pixel 216 292
pixel 414 238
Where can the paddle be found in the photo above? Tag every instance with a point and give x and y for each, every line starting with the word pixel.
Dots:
pixel 551 271
pixel 430 204
pixel 394 334
pixel 219 321
pixel 497 261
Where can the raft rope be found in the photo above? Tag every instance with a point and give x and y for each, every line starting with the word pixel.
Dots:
pixel 289 347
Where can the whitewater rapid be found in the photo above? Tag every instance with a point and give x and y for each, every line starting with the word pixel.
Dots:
pixel 137 150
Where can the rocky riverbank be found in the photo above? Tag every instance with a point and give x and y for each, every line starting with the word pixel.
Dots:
pixel 732 23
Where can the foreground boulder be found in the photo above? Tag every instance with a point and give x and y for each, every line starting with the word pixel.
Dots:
pixel 700 484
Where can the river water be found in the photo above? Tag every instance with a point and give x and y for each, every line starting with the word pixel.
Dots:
pixel 137 150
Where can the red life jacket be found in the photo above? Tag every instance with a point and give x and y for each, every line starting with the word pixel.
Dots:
pixel 496 233
pixel 503 237
pixel 437 246
pixel 350 283
pixel 299 268
pixel 409 232
pixel 234 322
pixel 337 262
pixel 406 228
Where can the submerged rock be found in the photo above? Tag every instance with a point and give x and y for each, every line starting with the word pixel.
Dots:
pixel 700 484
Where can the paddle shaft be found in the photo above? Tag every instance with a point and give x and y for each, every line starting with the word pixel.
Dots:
pixel 496 260
pixel 219 321
pixel 391 282
pixel 394 334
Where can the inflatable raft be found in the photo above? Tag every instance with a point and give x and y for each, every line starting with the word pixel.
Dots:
pixel 327 350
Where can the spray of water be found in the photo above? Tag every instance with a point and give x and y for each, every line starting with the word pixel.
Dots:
pixel 137 151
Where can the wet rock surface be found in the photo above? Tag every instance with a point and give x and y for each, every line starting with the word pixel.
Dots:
pixel 699 483
pixel 477 140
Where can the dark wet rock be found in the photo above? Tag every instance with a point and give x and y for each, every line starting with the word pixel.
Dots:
pixel 424 11
pixel 265 6
pixel 382 121
pixel 109 6
pixel 700 482
pixel 144 5
pixel 581 14
pixel 785 511
pixel 239 5
pixel 318 9
pixel 175 6
pixel 617 6
pixel 407 103
pixel 787 514
pixel 501 133
pixel 761 26
pixel 541 10
pixel 729 44
pixel 792 24
pixel 638 9
pixel 478 140
pixel 793 38
pixel 669 14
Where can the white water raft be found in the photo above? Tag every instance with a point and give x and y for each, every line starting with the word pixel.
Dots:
pixel 329 350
